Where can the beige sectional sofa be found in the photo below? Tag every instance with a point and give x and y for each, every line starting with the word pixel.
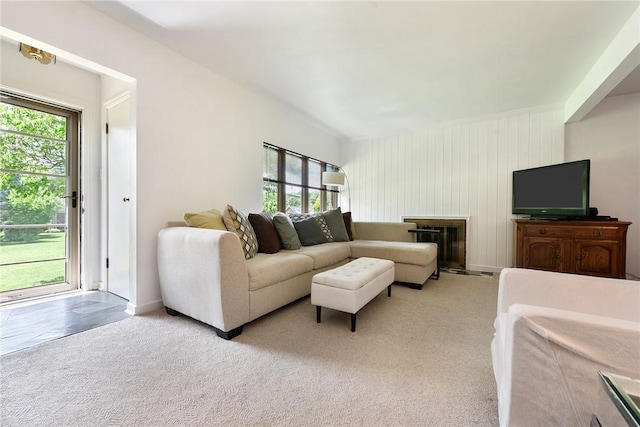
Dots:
pixel 204 274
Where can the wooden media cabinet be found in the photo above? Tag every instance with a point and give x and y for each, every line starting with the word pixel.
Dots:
pixel 594 248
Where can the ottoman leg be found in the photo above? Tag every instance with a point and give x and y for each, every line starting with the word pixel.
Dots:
pixel 389 290
pixel 353 322
pixel 318 315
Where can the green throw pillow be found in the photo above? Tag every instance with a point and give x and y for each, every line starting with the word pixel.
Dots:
pixel 335 222
pixel 286 231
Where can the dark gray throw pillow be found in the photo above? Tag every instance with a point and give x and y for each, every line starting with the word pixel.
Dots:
pixel 335 222
pixel 310 232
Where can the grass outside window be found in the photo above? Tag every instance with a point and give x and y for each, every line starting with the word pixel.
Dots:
pixel 48 246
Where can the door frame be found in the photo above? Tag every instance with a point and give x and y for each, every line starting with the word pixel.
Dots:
pixel 73 240
pixel 128 94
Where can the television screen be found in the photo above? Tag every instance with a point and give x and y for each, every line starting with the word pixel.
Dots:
pixel 560 190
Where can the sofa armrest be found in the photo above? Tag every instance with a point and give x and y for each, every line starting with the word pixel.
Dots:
pixel 203 275
pixel 387 231
pixel 614 298
pixel 550 361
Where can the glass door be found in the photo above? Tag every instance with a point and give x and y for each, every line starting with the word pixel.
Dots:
pixel 39 199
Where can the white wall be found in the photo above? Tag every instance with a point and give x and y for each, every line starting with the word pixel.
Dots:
pixel 199 136
pixel 460 169
pixel 78 89
pixel 610 136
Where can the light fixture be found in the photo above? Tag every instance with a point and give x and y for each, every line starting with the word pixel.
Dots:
pixel 337 179
pixel 333 178
pixel 39 55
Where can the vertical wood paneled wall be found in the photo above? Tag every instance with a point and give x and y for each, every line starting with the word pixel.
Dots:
pixel 461 169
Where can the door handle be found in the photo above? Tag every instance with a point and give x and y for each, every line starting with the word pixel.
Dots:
pixel 125 199
pixel 73 197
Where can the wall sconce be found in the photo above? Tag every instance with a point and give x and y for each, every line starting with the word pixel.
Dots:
pixel 39 55
pixel 338 179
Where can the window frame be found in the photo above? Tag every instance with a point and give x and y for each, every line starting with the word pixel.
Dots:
pixel 327 193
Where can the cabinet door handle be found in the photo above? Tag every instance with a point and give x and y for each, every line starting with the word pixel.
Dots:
pixel 543 230
pixel 578 258
pixel 597 233
pixel 558 256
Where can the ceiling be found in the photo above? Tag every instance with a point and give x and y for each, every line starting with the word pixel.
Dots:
pixel 366 68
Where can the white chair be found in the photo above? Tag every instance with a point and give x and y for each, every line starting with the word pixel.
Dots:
pixel 554 331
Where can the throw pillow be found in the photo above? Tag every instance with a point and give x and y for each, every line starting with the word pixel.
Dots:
pixel 268 240
pixel 237 221
pixel 299 216
pixel 348 224
pixel 286 231
pixel 296 217
pixel 211 219
pixel 335 222
pixel 310 232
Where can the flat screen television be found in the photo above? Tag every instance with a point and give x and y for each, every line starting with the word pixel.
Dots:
pixel 554 191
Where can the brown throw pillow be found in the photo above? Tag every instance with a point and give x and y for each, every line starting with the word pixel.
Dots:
pixel 348 224
pixel 268 240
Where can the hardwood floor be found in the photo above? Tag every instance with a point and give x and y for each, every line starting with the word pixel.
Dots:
pixel 26 325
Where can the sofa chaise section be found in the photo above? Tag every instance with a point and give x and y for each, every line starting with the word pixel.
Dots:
pixel 414 262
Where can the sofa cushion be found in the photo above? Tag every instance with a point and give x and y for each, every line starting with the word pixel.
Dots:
pixel 237 222
pixel 400 252
pixel 268 269
pixel 268 240
pixel 326 254
pixel 211 219
pixel 286 231
pixel 335 222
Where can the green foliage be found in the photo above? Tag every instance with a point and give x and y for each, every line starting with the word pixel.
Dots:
pixel 269 197
pixel 26 198
pixel 316 204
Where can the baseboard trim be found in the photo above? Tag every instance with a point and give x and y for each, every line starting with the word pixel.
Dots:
pixel 136 310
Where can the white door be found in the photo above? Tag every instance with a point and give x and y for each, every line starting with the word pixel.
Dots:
pixel 118 196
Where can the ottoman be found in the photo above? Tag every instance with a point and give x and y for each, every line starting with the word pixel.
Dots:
pixel 351 286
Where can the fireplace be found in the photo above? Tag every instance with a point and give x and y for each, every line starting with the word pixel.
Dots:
pixel 449 233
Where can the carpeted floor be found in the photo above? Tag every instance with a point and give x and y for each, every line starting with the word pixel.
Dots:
pixel 419 358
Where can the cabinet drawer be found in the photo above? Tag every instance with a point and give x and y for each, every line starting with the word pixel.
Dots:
pixel 535 230
pixel 596 232
pixel 572 232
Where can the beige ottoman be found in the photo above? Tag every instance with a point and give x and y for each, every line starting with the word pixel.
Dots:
pixel 351 286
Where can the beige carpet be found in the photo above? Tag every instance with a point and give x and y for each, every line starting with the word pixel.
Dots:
pixel 419 358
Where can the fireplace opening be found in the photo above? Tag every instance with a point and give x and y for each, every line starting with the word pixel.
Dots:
pixel 450 234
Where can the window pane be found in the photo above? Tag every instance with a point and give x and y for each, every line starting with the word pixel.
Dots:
pixel 293 169
pixel 315 174
pixel 332 200
pixel 31 199
pixel 28 154
pixel 270 166
pixel 33 122
pixel 293 195
pixel 269 197
pixel 315 202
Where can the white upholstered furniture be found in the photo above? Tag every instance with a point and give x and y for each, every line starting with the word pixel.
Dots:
pixel 350 287
pixel 554 331
pixel 204 274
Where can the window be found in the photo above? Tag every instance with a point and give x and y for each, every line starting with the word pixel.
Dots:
pixel 292 183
